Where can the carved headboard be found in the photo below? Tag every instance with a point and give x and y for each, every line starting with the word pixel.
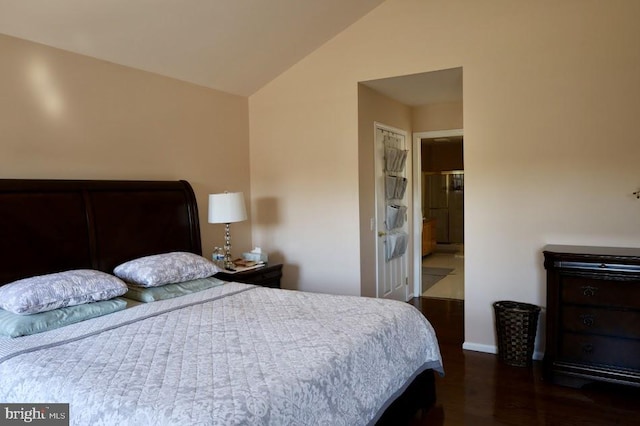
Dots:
pixel 55 225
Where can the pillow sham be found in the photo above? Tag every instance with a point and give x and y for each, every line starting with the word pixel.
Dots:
pixel 47 292
pixel 169 291
pixel 14 325
pixel 167 268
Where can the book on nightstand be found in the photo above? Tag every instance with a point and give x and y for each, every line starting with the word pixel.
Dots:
pixel 241 265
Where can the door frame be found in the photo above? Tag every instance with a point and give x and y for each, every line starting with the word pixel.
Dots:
pixel 417 199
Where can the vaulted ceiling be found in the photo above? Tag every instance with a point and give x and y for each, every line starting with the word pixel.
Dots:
pixel 236 46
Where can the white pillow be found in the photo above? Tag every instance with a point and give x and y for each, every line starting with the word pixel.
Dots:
pixel 168 268
pixel 47 292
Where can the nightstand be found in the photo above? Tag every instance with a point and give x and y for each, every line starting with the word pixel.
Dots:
pixel 267 276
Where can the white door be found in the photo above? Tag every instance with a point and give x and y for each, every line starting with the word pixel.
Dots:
pixel 393 198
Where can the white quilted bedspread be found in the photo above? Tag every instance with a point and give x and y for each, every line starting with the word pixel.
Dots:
pixel 231 355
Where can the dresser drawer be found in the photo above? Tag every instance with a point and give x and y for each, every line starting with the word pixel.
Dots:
pixel 266 276
pixel 601 321
pixel 600 292
pixel 605 351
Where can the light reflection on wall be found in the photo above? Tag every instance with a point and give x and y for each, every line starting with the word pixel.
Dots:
pixel 45 89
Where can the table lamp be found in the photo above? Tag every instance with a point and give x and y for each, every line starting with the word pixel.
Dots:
pixel 227 208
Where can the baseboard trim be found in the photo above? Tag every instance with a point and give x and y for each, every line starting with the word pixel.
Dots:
pixel 493 349
pixel 477 347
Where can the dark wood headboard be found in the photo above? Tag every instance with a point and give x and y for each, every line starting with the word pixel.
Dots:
pixel 55 225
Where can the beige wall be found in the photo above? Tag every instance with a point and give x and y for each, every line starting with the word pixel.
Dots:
pixel 440 116
pixel 550 90
pixel 374 107
pixel 68 116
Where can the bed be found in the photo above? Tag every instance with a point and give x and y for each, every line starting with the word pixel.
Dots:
pixel 229 354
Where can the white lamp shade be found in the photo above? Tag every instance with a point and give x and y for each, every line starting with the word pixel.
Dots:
pixel 227 207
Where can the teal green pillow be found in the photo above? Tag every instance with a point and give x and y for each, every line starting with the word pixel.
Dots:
pixel 169 291
pixel 14 325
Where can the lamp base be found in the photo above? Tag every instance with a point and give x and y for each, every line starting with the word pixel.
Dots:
pixel 228 260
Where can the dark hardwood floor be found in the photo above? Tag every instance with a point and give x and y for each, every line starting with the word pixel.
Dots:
pixel 478 390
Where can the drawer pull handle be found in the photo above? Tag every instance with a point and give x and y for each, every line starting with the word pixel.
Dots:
pixel 589 291
pixel 588 320
pixel 587 348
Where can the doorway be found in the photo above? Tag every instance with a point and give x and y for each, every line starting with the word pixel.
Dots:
pixel 420 102
pixel 439 212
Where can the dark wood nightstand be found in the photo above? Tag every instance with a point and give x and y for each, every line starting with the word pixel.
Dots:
pixel 267 276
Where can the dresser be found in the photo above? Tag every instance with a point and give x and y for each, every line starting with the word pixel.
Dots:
pixel 593 315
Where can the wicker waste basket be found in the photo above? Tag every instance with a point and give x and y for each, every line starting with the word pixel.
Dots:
pixel 516 325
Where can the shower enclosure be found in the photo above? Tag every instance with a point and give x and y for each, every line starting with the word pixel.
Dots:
pixel 443 200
